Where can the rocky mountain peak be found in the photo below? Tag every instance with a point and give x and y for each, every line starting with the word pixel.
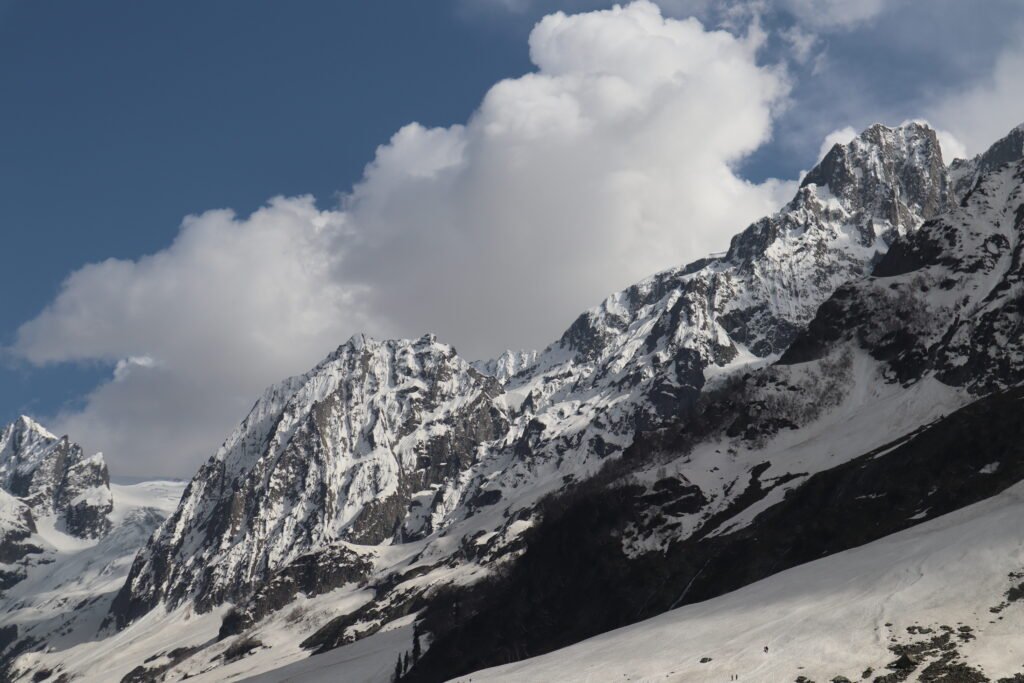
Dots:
pixel 53 477
pixel 23 436
pixel 849 209
pixel 366 448
pixel 944 301
pixel 895 175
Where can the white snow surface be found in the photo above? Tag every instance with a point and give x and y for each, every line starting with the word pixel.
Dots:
pixel 835 616
pixel 67 591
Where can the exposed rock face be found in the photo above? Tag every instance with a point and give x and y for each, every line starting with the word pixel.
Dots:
pixel 891 176
pixel 52 477
pixel 368 448
pixel 947 300
pixel 16 529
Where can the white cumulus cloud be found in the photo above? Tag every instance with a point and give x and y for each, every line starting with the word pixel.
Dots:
pixel 983 112
pixel 836 137
pixel 613 159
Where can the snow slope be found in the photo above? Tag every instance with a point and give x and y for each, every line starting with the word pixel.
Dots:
pixel 838 616
pixel 67 593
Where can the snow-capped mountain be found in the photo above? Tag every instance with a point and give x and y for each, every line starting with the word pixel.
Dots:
pixel 506 366
pixel 46 481
pixel 819 386
pixel 368 448
pixel 54 478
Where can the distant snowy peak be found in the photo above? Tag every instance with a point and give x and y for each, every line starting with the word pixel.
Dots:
pixel 53 477
pixel 506 366
pixel 965 173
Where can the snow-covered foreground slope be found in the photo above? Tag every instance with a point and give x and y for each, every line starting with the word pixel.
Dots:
pixel 67 591
pixel 942 584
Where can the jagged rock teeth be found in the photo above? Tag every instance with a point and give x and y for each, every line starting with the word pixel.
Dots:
pixel 367 448
pixel 52 476
pixel 946 300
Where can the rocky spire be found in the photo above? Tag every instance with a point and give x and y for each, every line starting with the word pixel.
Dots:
pixel 52 476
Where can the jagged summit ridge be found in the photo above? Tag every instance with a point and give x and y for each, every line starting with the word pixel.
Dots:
pixel 507 365
pixel 777 271
pixel 366 448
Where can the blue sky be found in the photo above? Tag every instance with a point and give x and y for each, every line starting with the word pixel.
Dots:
pixel 118 119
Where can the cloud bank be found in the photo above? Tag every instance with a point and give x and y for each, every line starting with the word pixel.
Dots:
pixel 984 112
pixel 613 159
